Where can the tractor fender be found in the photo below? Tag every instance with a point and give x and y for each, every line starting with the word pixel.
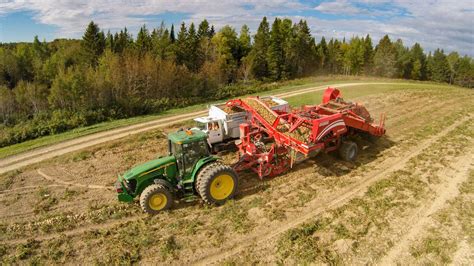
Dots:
pixel 201 163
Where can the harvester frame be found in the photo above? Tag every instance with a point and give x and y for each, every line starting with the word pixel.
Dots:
pixel 302 133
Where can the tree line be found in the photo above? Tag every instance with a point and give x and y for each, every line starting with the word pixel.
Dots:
pixel 47 88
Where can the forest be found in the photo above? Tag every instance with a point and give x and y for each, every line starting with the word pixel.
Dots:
pixel 50 87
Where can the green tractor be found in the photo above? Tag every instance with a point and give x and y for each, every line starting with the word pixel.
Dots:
pixel 188 171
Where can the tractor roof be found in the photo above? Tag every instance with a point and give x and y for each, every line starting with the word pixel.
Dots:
pixel 187 136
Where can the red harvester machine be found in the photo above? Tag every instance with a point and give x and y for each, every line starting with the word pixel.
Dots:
pixel 272 142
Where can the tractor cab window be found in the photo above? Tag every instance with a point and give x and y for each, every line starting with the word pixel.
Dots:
pixel 213 126
pixel 193 152
pixel 177 150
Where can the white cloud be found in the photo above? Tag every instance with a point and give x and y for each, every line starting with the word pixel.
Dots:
pixel 339 7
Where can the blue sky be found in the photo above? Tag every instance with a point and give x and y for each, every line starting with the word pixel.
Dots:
pixel 446 24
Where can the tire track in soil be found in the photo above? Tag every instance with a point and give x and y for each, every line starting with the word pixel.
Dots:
pixel 21 189
pixel 317 206
pixel 457 174
pixel 66 183
pixel 42 153
pixel 75 231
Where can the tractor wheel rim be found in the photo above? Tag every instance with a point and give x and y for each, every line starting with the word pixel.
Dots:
pixel 158 201
pixel 221 187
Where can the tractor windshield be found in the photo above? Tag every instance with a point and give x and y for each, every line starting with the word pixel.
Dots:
pixel 176 149
pixel 193 152
pixel 188 154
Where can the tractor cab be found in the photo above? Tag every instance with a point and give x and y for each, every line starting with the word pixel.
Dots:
pixel 213 127
pixel 188 147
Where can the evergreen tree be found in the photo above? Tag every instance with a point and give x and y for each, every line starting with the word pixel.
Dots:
pixel 464 72
pixel 154 34
pixel 203 30
pixel 438 67
pixel 116 38
pixel 322 53
pixel 345 58
pixel 259 51
pixel 123 41
pixel 109 41
pixel 39 54
pixel 287 36
pixel 93 43
pixel 102 40
pixel 161 43
pixel 404 63
pixel 275 57
pixel 304 51
pixel 335 56
pixel 212 32
pixel 418 59
pixel 172 37
pixel 182 45
pixel 192 44
pixel 40 49
pixel 244 42
pixel 453 60
pixel 368 54
pixel 143 42
pixel 385 58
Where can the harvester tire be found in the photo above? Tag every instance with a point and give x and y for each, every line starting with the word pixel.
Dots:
pixel 348 151
pixel 155 198
pixel 216 183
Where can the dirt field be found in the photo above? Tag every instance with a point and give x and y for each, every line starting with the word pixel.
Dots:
pixel 407 199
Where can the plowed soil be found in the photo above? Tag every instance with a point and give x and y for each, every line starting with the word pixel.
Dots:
pixel 407 199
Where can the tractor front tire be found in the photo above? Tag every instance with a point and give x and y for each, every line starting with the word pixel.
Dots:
pixel 155 198
pixel 216 183
pixel 348 151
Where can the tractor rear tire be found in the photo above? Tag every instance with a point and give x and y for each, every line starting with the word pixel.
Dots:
pixel 155 198
pixel 216 183
pixel 348 151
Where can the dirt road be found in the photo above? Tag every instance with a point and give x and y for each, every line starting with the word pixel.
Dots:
pixel 43 153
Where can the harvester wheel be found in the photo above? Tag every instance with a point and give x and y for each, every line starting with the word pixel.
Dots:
pixel 216 183
pixel 155 198
pixel 348 151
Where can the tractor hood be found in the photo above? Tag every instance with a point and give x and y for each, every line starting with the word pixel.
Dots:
pixel 149 166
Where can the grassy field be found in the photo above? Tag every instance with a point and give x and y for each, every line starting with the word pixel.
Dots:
pixel 407 199
pixel 282 87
